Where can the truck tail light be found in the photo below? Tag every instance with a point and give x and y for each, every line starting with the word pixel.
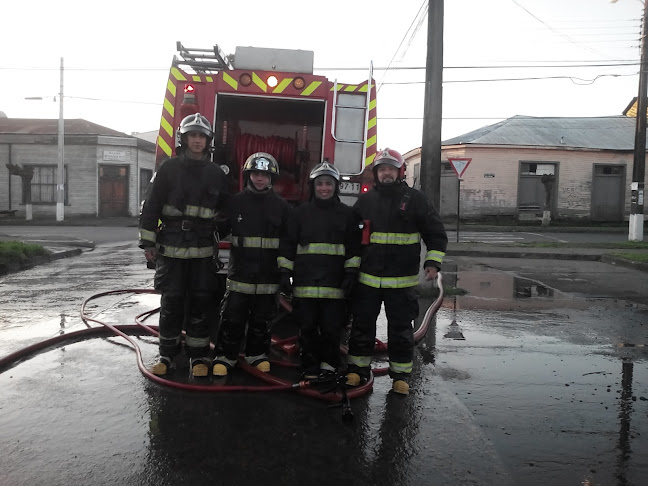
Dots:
pixel 189 94
pixel 245 79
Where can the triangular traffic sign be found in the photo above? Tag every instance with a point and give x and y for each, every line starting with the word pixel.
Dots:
pixel 459 165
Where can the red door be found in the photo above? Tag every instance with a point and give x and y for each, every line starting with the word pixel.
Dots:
pixel 113 190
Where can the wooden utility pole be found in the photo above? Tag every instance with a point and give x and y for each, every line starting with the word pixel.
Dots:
pixel 431 143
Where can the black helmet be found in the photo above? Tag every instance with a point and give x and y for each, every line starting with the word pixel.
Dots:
pixel 261 162
pixel 196 123
pixel 325 169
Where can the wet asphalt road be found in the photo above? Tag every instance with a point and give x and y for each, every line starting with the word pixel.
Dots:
pixel 548 386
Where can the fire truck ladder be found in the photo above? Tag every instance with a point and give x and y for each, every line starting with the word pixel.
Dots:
pixel 345 117
pixel 202 61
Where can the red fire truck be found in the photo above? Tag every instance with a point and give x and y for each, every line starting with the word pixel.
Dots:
pixel 269 100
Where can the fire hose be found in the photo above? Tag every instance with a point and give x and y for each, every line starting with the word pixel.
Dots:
pixel 339 393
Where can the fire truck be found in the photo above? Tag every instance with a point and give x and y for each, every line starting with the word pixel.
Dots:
pixel 269 100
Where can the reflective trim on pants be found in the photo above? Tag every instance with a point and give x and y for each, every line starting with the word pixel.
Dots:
pixel 252 289
pixel 318 293
pixel 388 282
pixel 401 367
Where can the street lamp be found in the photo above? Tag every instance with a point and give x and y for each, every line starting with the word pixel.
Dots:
pixel 60 183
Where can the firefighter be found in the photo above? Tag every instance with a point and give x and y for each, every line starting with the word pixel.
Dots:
pixel 396 217
pixel 322 254
pixel 257 217
pixel 187 192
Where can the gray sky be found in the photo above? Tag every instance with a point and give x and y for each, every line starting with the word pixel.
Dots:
pixel 117 55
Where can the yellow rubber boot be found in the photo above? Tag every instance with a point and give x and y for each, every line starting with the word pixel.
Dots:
pixel 162 366
pixel 199 367
pixel 219 370
pixel 353 379
pixel 401 387
pixel 263 366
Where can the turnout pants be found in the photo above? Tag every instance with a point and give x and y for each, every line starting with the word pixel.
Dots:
pixel 321 322
pixel 188 288
pixel 239 310
pixel 401 308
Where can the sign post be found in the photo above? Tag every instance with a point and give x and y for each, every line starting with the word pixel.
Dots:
pixel 459 166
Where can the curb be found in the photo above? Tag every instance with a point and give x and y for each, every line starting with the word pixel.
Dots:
pixel 622 262
pixel 527 255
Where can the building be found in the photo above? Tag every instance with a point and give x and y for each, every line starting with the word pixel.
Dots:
pixel 580 168
pixel 106 171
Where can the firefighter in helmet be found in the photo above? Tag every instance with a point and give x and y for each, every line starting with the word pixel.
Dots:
pixel 322 255
pixel 396 217
pixel 186 194
pixel 257 217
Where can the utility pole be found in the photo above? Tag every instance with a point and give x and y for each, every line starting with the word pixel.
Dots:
pixel 60 187
pixel 636 223
pixel 431 142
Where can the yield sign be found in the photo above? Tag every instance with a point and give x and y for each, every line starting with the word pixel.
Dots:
pixel 459 165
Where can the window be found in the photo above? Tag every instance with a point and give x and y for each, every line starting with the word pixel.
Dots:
pixel 417 176
pixel 43 185
pixel 537 168
pixel 145 180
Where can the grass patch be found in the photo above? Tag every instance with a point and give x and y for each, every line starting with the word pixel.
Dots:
pixel 628 245
pixel 633 257
pixel 15 252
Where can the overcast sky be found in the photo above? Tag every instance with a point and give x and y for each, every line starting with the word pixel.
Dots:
pixel 117 55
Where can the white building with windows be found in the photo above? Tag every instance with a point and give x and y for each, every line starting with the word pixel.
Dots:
pixel 585 164
pixel 106 171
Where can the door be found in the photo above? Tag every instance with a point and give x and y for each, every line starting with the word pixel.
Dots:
pixel 608 192
pixel 113 190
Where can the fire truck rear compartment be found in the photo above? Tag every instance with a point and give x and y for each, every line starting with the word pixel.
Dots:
pixel 291 130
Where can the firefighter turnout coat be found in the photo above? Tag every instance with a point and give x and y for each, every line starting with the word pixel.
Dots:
pixel 322 246
pixel 185 196
pixel 258 221
pixel 398 218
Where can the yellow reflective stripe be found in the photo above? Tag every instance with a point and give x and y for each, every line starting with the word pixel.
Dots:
pixel 209 79
pixel 196 78
pixel 371 123
pixel 171 87
pixel 372 103
pixel 320 249
pixel 388 282
pixel 285 263
pixel 164 146
pixel 256 242
pixel 401 367
pixel 167 126
pixel 187 253
pixel 259 82
pixel 230 80
pixel 350 88
pixel 370 159
pixel 248 288
pixel 168 106
pixel 194 342
pixel 199 212
pixel 395 238
pixel 283 85
pixel 361 361
pixel 170 340
pixel 175 72
pixel 365 87
pixel 353 262
pixel 147 235
pixel 310 88
pixel 435 256
pixel 169 210
pixel 371 141
pixel 318 293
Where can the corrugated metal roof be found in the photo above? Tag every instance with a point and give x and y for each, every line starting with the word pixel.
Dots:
pixel 604 133
pixel 37 126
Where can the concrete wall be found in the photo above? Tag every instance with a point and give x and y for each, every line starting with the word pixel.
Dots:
pixel 489 185
pixel 82 162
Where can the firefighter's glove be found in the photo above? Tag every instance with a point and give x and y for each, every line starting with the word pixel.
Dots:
pixel 150 253
pixel 285 286
pixel 348 283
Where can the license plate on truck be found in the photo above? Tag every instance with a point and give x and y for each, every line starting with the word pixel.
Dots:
pixel 349 187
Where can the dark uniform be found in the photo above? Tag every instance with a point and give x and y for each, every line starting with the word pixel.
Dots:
pixel 257 221
pixel 186 195
pixel 322 250
pixel 398 217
